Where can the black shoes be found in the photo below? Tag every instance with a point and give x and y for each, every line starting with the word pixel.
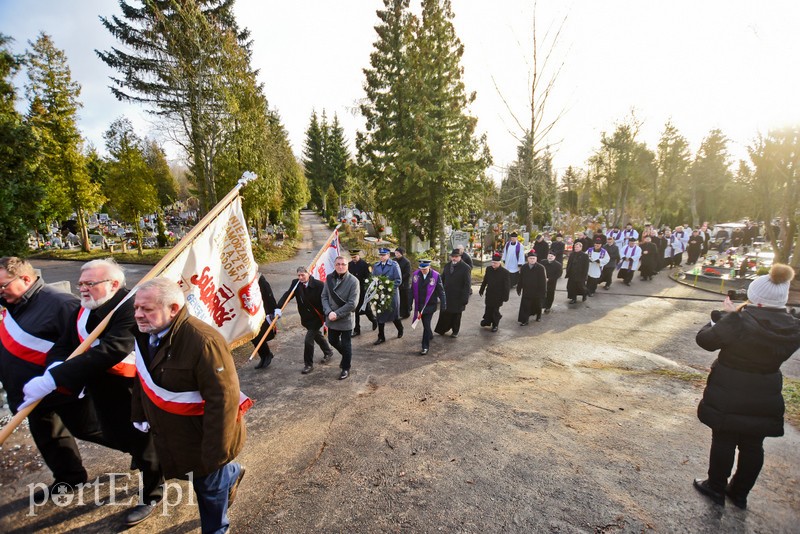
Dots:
pixel 307 369
pixel 379 341
pixel 423 352
pixel 494 329
pixel 583 299
pixel 399 334
pixel 265 361
pixel 524 324
pixel 547 310
pixel 326 357
pixel 485 323
pixel 454 335
pixel 539 319
pixel 737 500
pixel 232 491
pixel 606 287
pixel 573 301
pixel 628 284
pixel 139 513
pixel 703 487
pixel 344 374
pixel 374 325
pixel 355 333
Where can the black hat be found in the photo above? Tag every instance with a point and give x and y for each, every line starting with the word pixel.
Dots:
pixel 530 253
pixel 455 252
pixel 513 234
pixel 497 257
pixel 401 250
pixel 631 238
pixel 559 235
pixel 598 239
pixel 354 251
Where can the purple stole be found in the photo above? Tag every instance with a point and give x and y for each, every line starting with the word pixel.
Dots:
pixel 433 281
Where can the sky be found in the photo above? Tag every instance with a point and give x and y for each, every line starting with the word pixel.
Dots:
pixel 703 64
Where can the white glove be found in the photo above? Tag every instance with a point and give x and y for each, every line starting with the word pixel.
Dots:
pixel 37 388
pixel 277 312
pixel 144 426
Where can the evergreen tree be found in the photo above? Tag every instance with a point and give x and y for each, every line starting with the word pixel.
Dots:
pixel 314 160
pixel 162 178
pixel 337 156
pixel 187 60
pixel 569 189
pixel 129 180
pixel 54 104
pixel 710 175
pixel 21 187
pixel 673 162
pixel 531 179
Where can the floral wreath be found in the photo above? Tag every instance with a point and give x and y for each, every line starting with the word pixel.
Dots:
pixel 383 296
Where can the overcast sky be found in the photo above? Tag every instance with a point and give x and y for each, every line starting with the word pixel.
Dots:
pixel 703 63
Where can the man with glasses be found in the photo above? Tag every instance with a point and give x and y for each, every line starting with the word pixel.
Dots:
pixel 34 317
pixel 339 299
pixel 107 370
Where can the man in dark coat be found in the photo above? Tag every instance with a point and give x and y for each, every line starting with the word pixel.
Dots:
pixel 188 394
pixel 497 285
pixel 308 296
pixel 554 270
pixel 694 247
pixel 464 256
pixel 268 298
pixel 107 370
pixel 532 286
pixel 650 257
pixel 426 291
pixel 541 247
pixel 577 272
pixel 360 269
pixel 34 317
pixel 405 280
pixel 457 281
pixel 613 258
pixel 557 248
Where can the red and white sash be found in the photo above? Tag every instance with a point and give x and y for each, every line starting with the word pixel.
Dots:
pixel 126 367
pixel 177 403
pixel 22 344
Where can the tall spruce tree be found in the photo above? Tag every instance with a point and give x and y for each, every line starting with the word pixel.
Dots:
pixel 673 162
pixel 337 156
pixel 186 60
pixel 22 189
pixel 709 177
pixel 448 159
pixel 53 97
pixel 314 160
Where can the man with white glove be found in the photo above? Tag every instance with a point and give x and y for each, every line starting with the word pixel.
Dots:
pixel 39 387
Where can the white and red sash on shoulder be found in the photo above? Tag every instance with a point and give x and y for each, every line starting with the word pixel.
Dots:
pixel 22 344
pixel 178 403
pixel 127 367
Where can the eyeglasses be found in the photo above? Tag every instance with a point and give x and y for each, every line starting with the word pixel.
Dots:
pixel 4 286
pixel 90 285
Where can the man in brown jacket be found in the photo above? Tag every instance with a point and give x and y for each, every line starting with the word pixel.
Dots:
pixel 188 396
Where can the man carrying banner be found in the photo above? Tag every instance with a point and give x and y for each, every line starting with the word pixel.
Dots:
pixel 307 293
pixel 339 300
pixel 34 318
pixel 188 395
pixel 268 298
pixel 426 291
pixel 107 370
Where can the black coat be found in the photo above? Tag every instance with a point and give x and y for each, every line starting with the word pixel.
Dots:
pixel 405 272
pixel 743 391
pixel 541 248
pixel 497 284
pixel 456 280
pixel 577 271
pixel 466 259
pixel 649 263
pixel 532 281
pixel 557 248
pixel 309 302
pixel 554 270
pixel 268 298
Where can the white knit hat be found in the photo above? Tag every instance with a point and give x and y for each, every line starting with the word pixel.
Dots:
pixel 771 290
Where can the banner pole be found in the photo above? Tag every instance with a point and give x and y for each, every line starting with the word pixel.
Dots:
pixel 310 269
pixel 157 269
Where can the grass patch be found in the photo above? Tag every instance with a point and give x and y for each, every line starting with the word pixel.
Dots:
pixel 685 376
pixel 150 256
pixel 273 254
pixel 791 396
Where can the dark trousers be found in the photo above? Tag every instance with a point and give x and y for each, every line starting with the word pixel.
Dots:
pixel 264 351
pixel 448 321
pixel 341 341
pixel 626 275
pixel 551 294
pixel 607 275
pixel 405 303
pixel 368 312
pixel 397 324
pixel 591 285
pixel 427 332
pixel 692 257
pixel 514 278
pixel 723 450
pixel 212 497
pixel 112 400
pixel 314 336
pixel 491 315
pixel 575 288
pixel 53 428
pixel 528 307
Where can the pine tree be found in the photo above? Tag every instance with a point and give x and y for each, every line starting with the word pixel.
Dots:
pixel 708 178
pixel 673 163
pixel 53 97
pixel 314 160
pixel 22 189
pixel 337 156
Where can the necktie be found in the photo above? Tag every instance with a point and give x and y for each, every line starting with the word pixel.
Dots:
pixel 153 345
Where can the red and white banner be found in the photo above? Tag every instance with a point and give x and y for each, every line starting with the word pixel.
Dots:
pixel 219 277
pixel 325 263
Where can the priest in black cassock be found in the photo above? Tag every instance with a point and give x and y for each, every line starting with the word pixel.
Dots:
pixel 577 272
pixel 532 286
pixel 457 281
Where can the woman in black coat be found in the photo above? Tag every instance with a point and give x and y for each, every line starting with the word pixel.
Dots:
pixel 577 271
pixel 742 402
